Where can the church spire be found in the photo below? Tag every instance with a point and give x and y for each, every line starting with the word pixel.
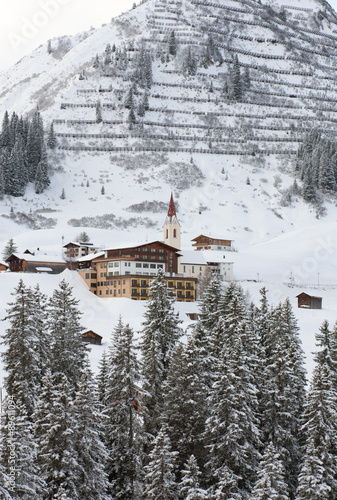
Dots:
pixel 172 209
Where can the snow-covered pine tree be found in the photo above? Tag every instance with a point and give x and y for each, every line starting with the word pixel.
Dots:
pixel 17 170
pixel 20 359
pixel 189 486
pixel 91 453
pixel 308 191
pixel 270 482
pixel 42 180
pixel 172 44
pixel 160 482
pixel 318 470
pixel 236 81
pixel 51 140
pixel 57 439
pixel 183 409
pixel 7 139
pixel 102 378
pixel 160 333
pixel 232 430
pixel 124 433
pixel 99 118
pixel 69 355
pixel 10 248
pixel 283 395
pixel 18 467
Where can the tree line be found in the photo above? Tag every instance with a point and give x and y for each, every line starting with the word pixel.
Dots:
pixel 223 415
pixel 23 154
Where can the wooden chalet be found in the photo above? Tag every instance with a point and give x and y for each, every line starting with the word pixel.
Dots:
pixel 307 301
pixel 74 250
pixel 29 263
pixel 203 242
pixel 3 266
pixel 91 337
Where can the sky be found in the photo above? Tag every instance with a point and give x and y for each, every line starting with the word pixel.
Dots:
pixel 26 24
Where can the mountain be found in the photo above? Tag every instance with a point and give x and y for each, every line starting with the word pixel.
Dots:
pixel 208 99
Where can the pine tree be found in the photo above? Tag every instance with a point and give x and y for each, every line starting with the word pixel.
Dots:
pixel 51 140
pixel 189 487
pixel 57 440
pixel 159 478
pixel 20 359
pixel 308 191
pixel 96 62
pixel 283 395
pixel 270 484
pixel 91 453
pixel 159 336
pixel 102 378
pixel 18 466
pixel 42 180
pixel 68 351
pixel 7 139
pixel 99 118
pixel 232 430
pixel 123 428
pixel 236 80
pixel 10 248
pixel 172 44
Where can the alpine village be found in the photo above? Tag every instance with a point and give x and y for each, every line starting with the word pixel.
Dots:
pixel 168 276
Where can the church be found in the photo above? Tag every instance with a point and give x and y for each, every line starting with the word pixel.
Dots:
pixel 126 270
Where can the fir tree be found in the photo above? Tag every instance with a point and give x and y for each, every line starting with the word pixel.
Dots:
pixel 159 478
pixel 159 336
pixel 123 427
pixel 102 378
pixel 51 140
pixel 20 359
pixel 189 487
pixel 10 248
pixel 236 80
pixel 270 482
pixel 172 44
pixel 308 191
pixel 7 139
pixel 99 118
pixel 68 351
pixel 91 453
pixel 42 180
pixel 96 62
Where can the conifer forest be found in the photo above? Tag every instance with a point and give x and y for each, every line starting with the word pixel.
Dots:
pixel 221 411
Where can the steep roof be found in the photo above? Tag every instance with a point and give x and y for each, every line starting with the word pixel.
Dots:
pixel 171 209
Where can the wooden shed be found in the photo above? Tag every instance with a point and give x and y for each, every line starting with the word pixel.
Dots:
pixel 91 337
pixel 308 301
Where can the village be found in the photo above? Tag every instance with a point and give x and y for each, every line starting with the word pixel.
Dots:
pixel 127 269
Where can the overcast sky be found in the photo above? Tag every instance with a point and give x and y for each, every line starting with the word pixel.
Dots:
pixel 25 24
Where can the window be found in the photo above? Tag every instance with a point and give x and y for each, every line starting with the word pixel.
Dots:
pixel 93 285
pixel 119 282
pixel 166 234
pixel 93 276
pixel 137 256
pixel 87 276
pixel 145 257
pixel 153 257
pixel 116 273
pixel 160 266
pixel 143 292
pixel 153 266
pixel 100 292
pixel 143 282
pixel 161 257
pixel 153 250
pixel 138 264
pixel 123 282
pixel 116 264
pixel 101 275
pixel 145 249
pixel 115 283
pixel 119 292
pixel 145 266
pixel 174 233
pixel 192 269
pixel 170 284
pixel 110 291
pixel 123 290
pixel 134 291
pixel 107 292
pixel 115 293
pixel 134 282
pixel 184 269
pixel 161 250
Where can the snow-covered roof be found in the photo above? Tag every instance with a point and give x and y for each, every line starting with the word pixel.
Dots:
pixel 78 244
pixel 215 256
pixel 37 258
pixel 192 257
pixel 44 269
pixel 133 244
pixel 213 237
pixel 91 256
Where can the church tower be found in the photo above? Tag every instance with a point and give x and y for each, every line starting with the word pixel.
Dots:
pixel 172 226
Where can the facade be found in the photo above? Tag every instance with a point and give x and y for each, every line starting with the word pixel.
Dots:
pixel 28 263
pixel 216 262
pixel 192 264
pixel 203 242
pixel 75 250
pixel 171 230
pixel 136 287
pixel 308 301
pixel 91 337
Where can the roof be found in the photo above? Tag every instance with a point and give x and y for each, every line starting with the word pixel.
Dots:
pixel 139 244
pixel 37 258
pixel 44 269
pixel 192 257
pixel 91 332
pixel 307 295
pixel 172 208
pixel 212 237
pixel 215 256
pixel 90 256
pixel 78 244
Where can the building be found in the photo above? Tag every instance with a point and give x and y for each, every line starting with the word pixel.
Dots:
pixel 28 263
pixel 203 242
pixel 91 337
pixel 308 301
pixel 216 262
pixel 193 264
pixel 171 229
pixel 127 271
pixel 75 250
pixel 3 266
